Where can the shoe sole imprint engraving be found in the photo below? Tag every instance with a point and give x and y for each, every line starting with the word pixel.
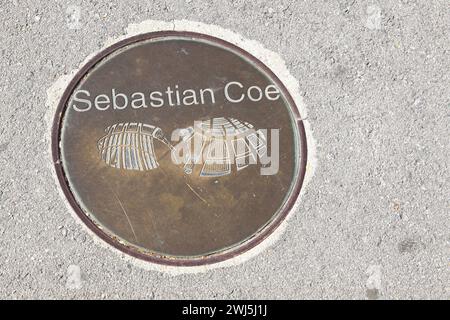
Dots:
pixel 130 146
pixel 224 141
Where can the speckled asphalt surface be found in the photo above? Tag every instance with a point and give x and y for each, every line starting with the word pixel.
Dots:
pixel 374 220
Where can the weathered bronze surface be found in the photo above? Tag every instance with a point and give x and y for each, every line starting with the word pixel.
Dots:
pixel 115 164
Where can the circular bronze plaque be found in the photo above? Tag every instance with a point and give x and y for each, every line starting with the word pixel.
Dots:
pixel 179 148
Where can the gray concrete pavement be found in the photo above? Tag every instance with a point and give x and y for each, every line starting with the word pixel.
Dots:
pixel 374 221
